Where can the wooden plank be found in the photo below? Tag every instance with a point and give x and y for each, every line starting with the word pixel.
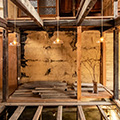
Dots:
pixel 26 6
pixel 1 55
pixel 38 113
pixel 5 67
pixel 103 62
pixel 81 113
pixel 115 8
pixel 2 108
pixel 79 31
pixel 88 84
pixel 116 63
pixel 108 90
pixel 87 6
pixel 91 89
pixel 5 8
pixel 18 59
pixel 59 113
pixel 50 103
pixel 17 113
pixel 63 22
pixel 79 8
pixel 102 112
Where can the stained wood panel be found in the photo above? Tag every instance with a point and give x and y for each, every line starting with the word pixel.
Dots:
pixel 12 65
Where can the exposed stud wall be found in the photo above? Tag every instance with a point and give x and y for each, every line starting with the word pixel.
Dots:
pixel 45 61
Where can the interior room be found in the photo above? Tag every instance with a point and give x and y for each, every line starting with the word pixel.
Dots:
pixel 59 59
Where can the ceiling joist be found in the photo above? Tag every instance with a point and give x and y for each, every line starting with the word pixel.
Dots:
pixel 86 22
pixel 26 6
pixel 84 10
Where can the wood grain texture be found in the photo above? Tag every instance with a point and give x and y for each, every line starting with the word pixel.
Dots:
pixel 79 62
pixel 81 113
pixel 102 112
pixel 12 63
pixel 38 113
pixel 17 113
pixel 59 113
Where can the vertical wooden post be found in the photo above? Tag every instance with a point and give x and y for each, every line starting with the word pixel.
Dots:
pixel 18 59
pixel 116 63
pixel 5 56
pixel 103 62
pixel 5 66
pixel 79 31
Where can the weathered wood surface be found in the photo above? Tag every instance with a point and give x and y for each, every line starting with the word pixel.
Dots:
pixel 69 22
pixel 87 6
pixel 81 113
pixel 18 59
pixel 70 103
pixel 5 66
pixel 102 112
pixel 26 6
pixel 17 113
pixel 116 63
pixel 2 108
pixel 59 113
pixel 38 113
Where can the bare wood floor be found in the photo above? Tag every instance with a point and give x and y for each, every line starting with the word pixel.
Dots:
pixel 55 91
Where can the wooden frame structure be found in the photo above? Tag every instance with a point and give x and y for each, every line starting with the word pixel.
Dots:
pixel 29 10
pixel 79 105
pixel 79 20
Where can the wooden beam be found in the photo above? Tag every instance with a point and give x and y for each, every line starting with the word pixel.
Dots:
pixel 26 6
pixel 81 113
pixel 87 6
pixel 2 108
pixel 103 62
pixel 59 113
pixel 38 113
pixel 70 103
pixel 17 113
pixel 69 22
pixel 79 31
pixel 116 63
pixel 79 8
pixel 115 8
pixel 18 58
pixel 5 67
pixel 102 112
